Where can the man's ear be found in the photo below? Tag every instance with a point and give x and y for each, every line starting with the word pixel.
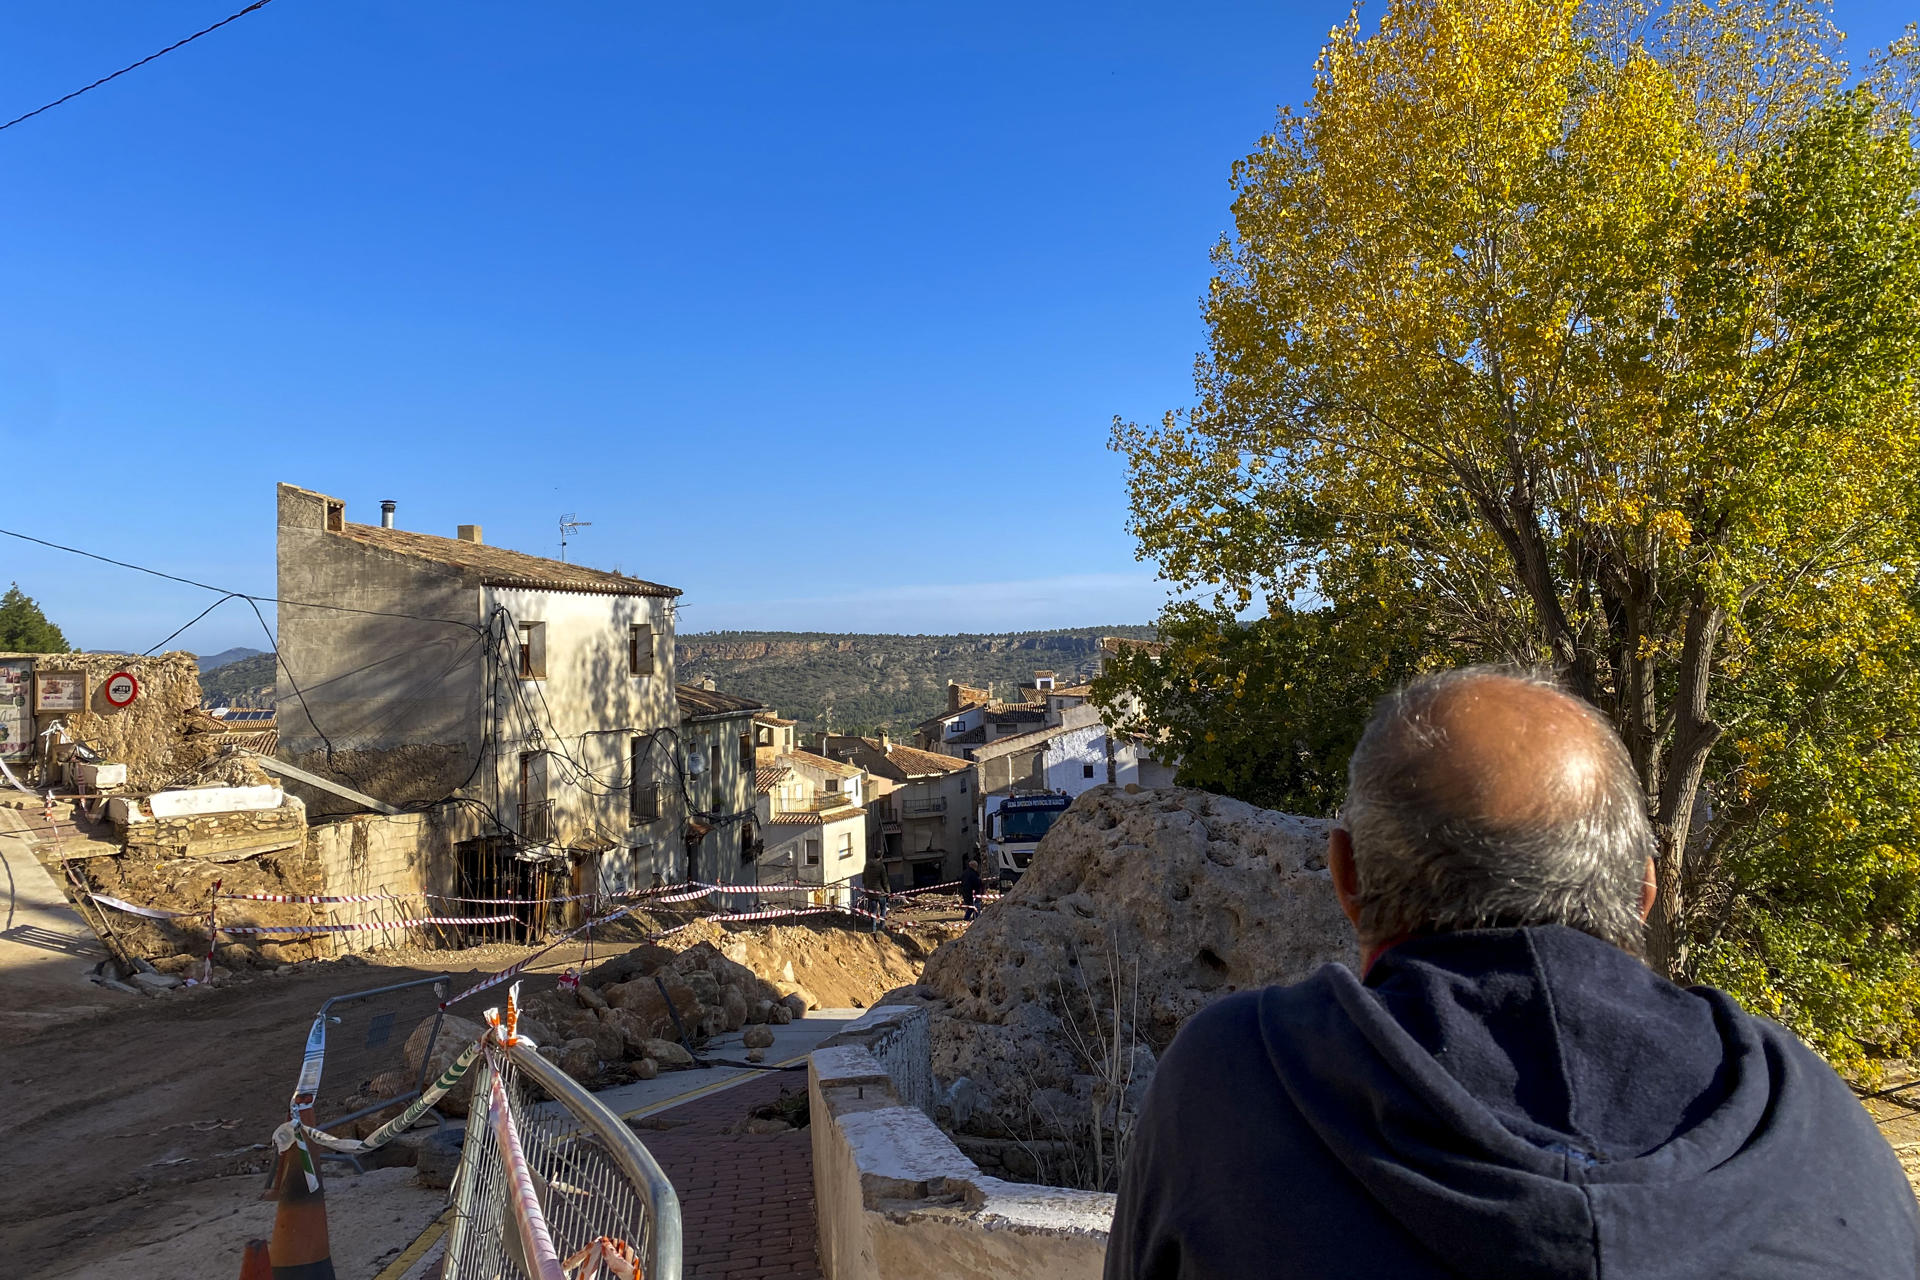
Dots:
pixel 1649 890
pixel 1346 879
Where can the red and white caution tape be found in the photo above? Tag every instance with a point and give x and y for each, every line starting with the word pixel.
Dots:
pixel 151 913
pixel 365 926
pixel 512 969
pixel 526 1197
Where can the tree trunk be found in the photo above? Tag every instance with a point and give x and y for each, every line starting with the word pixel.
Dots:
pixel 1694 736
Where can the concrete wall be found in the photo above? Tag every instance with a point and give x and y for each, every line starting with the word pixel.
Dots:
pixel 398 696
pixel 407 853
pixel 897 1200
pixel 952 831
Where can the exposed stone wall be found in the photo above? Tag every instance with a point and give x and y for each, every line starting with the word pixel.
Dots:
pixel 372 853
pixel 219 837
pixel 160 736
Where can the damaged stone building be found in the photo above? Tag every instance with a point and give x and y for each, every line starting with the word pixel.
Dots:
pixel 527 704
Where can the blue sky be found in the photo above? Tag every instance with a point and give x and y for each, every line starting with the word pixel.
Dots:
pixel 818 312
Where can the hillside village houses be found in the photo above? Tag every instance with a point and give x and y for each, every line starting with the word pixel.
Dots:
pixel 920 807
pixel 810 813
pixel 528 703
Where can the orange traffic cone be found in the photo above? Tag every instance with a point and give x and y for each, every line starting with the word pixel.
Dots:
pixel 255 1264
pixel 299 1248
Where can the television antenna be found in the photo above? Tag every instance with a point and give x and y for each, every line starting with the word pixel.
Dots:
pixel 568 527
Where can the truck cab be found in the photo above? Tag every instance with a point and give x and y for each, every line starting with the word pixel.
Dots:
pixel 1015 825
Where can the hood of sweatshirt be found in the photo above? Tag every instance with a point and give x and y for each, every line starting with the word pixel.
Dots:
pixel 1536 1103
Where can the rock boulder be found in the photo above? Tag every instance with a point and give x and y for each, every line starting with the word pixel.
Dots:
pixel 1179 895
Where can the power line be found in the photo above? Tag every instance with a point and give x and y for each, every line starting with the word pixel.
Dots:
pixel 258 4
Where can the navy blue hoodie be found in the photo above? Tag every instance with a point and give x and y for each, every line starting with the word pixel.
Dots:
pixel 1511 1103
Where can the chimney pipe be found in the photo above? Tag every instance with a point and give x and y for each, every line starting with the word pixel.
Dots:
pixel 386 512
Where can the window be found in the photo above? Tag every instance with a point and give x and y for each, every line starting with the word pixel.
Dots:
pixel 746 751
pixel 1086 771
pixel 640 649
pixel 643 798
pixel 533 650
pixel 813 851
pixel 833 784
pixel 846 844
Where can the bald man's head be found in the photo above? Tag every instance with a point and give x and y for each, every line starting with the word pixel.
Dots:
pixel 1484 797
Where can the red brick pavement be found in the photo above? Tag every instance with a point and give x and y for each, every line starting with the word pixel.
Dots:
pixel 746 1200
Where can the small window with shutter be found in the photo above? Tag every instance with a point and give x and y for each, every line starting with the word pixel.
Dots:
pixel 640 649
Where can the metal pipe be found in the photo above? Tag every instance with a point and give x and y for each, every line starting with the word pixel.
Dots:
pixel 627 1151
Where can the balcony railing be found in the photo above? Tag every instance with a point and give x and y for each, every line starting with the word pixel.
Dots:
pixel 536 822
pixel 932 808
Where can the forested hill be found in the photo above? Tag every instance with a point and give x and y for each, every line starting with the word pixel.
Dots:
pixel 876 681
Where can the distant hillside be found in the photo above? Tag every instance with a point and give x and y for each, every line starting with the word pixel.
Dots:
pixel 883 681
pixel 244 682
pixel 225 656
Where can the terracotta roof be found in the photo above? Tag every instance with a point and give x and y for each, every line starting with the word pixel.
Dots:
pixel 1043 675
pixel 499 567
pixel 697 703
pixel 944 716
pixel 767 777
pixel 767 717
pixel 1076 691
pixel 898 763
pixel 915 761
pixel 832 768
pixel 802 818
pixel 1018 715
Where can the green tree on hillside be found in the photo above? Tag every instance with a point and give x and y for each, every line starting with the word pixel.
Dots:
pixel 24 629
pixel 1588 336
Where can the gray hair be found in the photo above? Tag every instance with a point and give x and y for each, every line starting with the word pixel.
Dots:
pixel 1579 861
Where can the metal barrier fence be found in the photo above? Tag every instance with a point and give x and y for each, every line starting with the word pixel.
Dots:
pixel 366 1049
pixel 592 1177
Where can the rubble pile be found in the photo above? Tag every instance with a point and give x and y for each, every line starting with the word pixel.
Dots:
pixel 1139 909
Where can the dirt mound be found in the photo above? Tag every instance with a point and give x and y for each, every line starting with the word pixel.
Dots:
pixel 830 964
pixel 1139 909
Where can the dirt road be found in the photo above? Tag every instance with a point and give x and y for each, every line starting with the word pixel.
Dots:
pixel 108 1121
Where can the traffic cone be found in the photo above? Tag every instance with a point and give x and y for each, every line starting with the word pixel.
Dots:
pixel 255 1264
pixel 299 1248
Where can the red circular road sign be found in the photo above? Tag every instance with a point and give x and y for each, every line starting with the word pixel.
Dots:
pixel 122 688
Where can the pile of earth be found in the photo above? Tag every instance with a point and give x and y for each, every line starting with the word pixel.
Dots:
pixel 1140 908
pixel 619 1023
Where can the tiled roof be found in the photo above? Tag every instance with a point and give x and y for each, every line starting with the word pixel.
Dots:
pixel 803 818
pixel 1031 738
pixel 767 717
pixel 697 703
pixel 767 777
pixel 1018 715
pixel 915 761
pixel 1076 691
pixel 499 567
pixel 832 768
pixel 897 763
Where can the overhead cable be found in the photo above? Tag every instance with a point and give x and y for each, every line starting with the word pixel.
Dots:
pixel 258 4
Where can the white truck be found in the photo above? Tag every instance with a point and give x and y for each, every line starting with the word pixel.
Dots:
pixel 1015 824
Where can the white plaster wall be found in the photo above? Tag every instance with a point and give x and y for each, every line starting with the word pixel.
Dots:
pixel 1070 753
pixel 590 707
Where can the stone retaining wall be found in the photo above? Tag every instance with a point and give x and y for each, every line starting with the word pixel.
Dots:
pixel 897 1199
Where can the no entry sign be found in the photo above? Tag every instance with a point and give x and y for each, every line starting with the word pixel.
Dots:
pixel 122 688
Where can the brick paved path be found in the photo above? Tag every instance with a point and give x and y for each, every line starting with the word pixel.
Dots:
pixel 746 1200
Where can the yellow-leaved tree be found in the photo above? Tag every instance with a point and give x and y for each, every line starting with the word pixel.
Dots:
pixel 1585 335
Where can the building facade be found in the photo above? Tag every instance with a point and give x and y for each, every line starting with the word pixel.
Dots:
pixel 530 698
pixel 920 808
